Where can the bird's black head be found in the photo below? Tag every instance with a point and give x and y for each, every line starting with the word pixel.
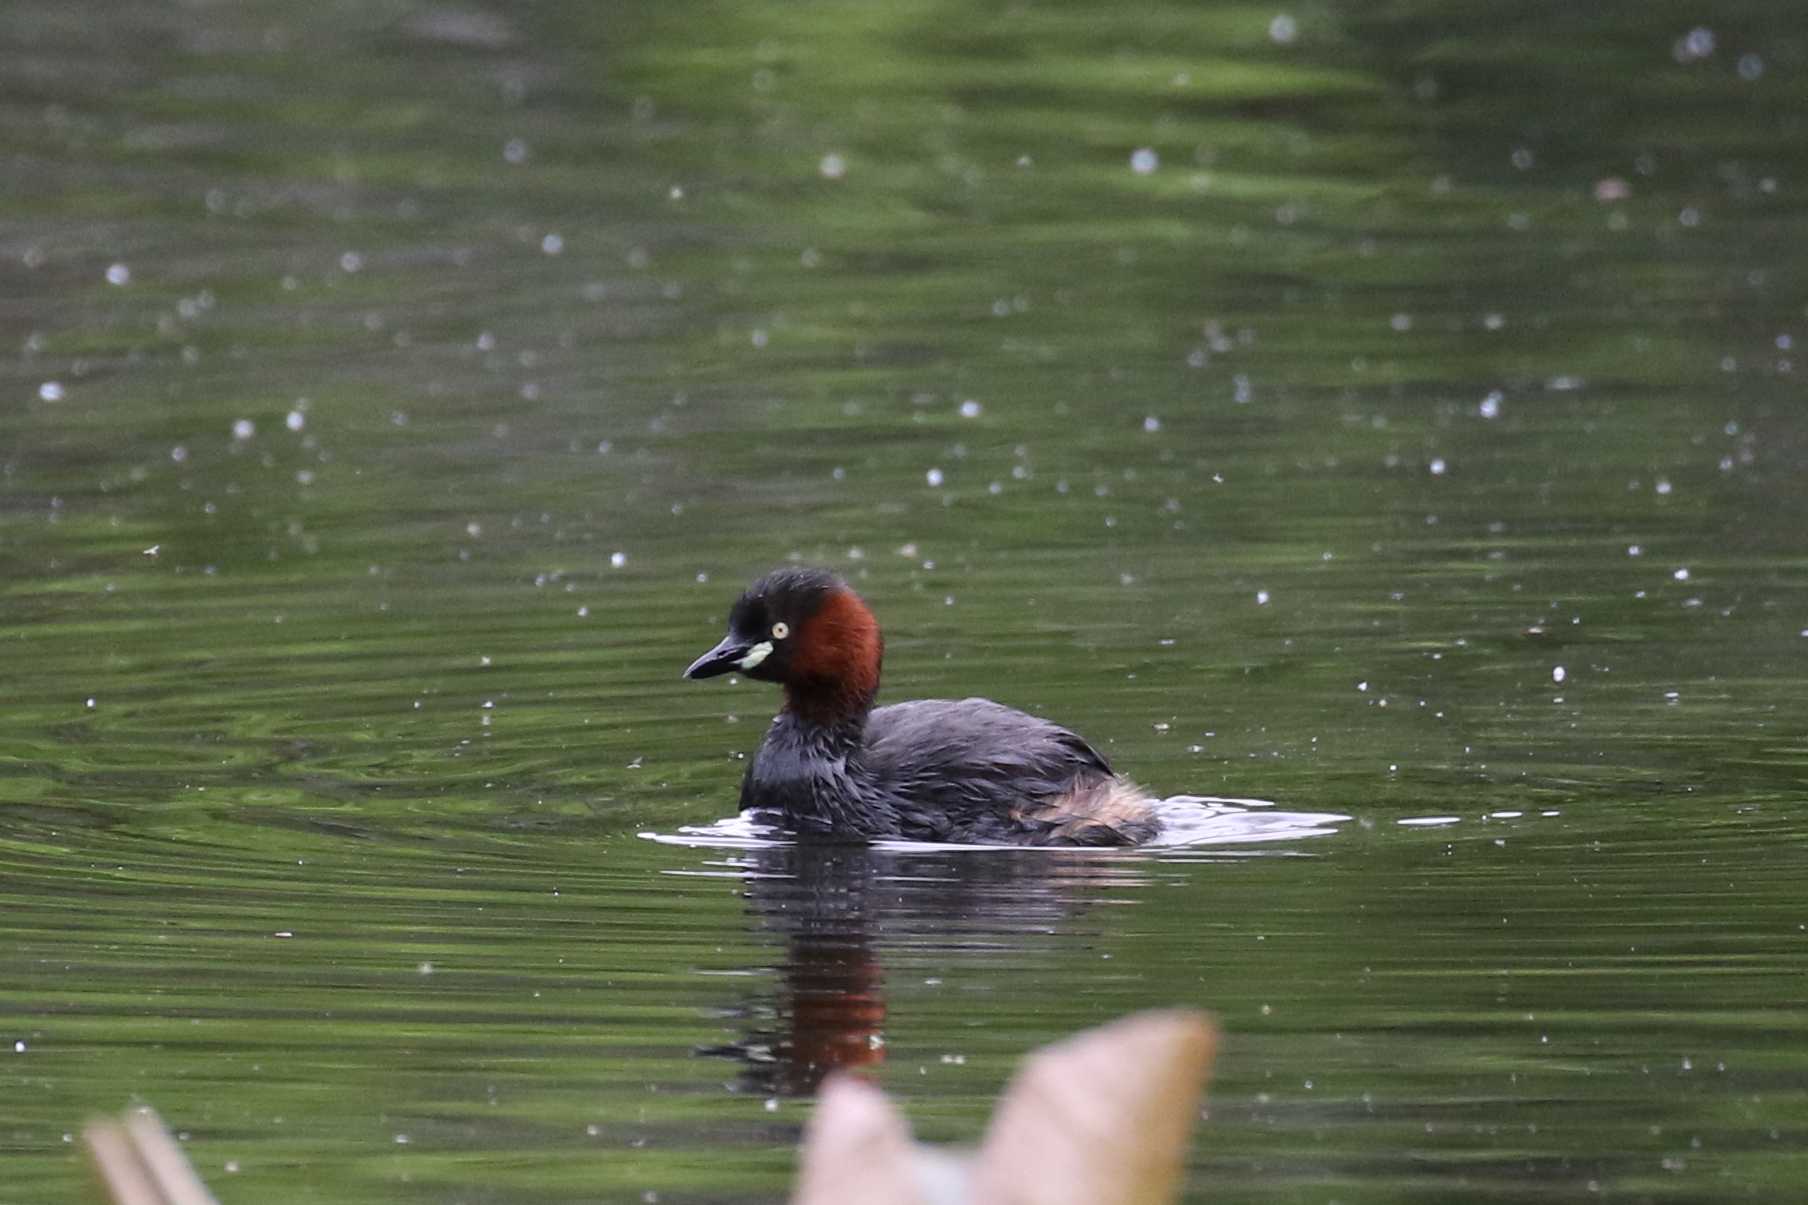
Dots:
pixel 767 625
pixel 805 629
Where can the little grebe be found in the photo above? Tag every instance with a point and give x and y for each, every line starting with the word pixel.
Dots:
pixel 967 770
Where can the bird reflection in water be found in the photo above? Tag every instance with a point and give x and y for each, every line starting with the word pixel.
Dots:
pixel 841 909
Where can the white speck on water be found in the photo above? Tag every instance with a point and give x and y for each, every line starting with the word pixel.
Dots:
pixel 1750 67
pixel 970 409
pixel 51 391
pixel 1151 424
pixel 89 703
pixel 515 151
pixel 1242 392
pixel 1681 575
pixel 583 612
pixel 119 274
pixel 243 429
pixel 178 453
pixel 617 560
pixel 1673 696
pixel 304 476
pixel 1144 161
pixel 832 167
pixel 1261 598
pixel 1428 821
pixel 552 244
pixel 1493 322
pixel 1663 487
pixel 230 1167
pixel 19 1046
pixel 473 529
pixel 1634 550
pixel 401 1140
pixel 934 477
pixel 1401 322
pixel 1697 44
pixel 758 337
pixel 426 968
pixel 1558 673
pixel 1283 29
pixel 1362 687
pixel 351 261
pixel 1523 158
pixel 284 933
pixel 1437 466
pixel 295 420
pixel 1489 406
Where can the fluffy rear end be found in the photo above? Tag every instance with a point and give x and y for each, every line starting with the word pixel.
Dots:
pixel 1097 811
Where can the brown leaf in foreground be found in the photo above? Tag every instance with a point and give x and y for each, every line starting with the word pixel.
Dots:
pixel 1102 1118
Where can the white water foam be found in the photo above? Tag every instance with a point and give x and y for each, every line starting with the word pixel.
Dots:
pixel 1187 822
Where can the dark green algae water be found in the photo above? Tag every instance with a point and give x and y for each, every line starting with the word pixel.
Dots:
pixel 1388 410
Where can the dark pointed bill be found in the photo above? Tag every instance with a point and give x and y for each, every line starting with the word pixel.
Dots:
pixel 725 658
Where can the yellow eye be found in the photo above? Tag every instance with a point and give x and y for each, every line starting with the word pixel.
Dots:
pixel 780 630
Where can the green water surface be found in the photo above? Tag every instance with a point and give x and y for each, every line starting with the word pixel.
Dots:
pixel 1386 409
